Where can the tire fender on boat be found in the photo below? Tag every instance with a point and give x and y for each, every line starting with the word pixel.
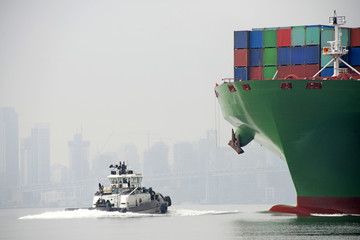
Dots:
pixel 291 76
pixel 168 200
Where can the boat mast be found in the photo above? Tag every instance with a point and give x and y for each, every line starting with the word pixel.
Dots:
pixel 335 49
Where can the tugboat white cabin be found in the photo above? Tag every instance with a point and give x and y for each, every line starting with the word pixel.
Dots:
pixel 125 193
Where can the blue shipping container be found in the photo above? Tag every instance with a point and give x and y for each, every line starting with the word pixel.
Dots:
pixel 312 55
pixel 241 73
pixel 354 56
pixel 327 72
pixel 283 56
pixel 346 59
pixel 256 57
pixel 256 39
pixel 297 55
pixel 241 39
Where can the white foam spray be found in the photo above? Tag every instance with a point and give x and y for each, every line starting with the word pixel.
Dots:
pixel 85 213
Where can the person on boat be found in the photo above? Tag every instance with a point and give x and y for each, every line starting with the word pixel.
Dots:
pixel 101 188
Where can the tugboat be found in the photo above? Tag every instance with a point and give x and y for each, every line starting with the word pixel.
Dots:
pixel 125 194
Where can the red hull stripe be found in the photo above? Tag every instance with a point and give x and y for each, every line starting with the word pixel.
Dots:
pixel 324 205
pixel 347 205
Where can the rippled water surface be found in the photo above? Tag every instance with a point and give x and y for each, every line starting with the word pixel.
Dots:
pixel 181 222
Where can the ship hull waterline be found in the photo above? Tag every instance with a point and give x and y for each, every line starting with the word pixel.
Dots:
pixel 315 130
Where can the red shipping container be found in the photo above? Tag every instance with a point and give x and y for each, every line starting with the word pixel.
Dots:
pixel 355 37
pixel 301 71
pixel 298 70
pixel 357 68
pixel 256 73
pixel 283 71
pixel 284 37
pixel 241 57
pixel 311 70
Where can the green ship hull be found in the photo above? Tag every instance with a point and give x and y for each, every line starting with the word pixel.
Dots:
pixel 313 125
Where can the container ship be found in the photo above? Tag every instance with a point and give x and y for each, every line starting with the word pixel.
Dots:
pixel 296 91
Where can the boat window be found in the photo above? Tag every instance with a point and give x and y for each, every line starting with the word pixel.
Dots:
pixel 134 180
pixel 113 180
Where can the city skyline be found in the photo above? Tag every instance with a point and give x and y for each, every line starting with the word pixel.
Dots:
pixel 201 168
pixel 125 74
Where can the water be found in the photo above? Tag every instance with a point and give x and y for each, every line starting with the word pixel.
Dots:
pixel 181 222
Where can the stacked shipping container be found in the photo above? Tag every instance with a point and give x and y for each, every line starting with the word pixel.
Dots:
pixel 259 53
pixel 354 51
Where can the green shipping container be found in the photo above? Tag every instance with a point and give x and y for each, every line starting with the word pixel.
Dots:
pixel 270 57
pixel 269 38
pixel 325 59
pixel 298 36
pixel 345 37
pixel 312 35
pixel 327 34
pixel 269 72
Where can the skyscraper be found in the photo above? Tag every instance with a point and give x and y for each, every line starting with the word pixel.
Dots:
pixel 79 158
pixel 40 136
pixel 101 163
pixel 28 172
pixel 156 159
pixel 184 160
pixel 128 153
pixel 35 156
pixel 9 148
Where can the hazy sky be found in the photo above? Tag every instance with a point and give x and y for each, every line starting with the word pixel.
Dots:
pixel 125 70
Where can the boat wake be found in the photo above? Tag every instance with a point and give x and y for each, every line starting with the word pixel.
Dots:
pixel 94 214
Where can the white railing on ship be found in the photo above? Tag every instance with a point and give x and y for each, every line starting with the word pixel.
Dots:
pixel 228 80
pixel 343 70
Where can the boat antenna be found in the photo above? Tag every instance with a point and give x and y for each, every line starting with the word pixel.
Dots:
pixel 335 49
pixel 335 46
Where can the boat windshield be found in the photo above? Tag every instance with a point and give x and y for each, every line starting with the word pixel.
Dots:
pixel 135 180
pixel 113 180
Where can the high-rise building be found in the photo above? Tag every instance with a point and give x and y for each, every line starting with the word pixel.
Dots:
pixel 101 163
pixel 35 156
pixel 79 158
pixel 156 159
pixel 9 148
pixel 28 171
pixel 184 161
pixel 128 153
pixel 40 136
pixel 59 173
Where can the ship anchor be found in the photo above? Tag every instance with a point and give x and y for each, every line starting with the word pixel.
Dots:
pixel 235 142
